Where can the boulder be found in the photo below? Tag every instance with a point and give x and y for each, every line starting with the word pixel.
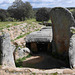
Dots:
pixel 62 20
pixel 44 35
pixel 6 51
pixel 22 52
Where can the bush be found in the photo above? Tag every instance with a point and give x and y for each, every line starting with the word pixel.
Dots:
pixel 3 15
pixel 42 14
pixel 10 19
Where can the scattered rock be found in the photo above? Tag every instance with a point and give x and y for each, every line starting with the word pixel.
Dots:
pixel 20 42
pixel 22 52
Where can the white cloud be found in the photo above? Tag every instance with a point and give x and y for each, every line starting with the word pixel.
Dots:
pixel 8 1
pixel 41 3
pixel 55 3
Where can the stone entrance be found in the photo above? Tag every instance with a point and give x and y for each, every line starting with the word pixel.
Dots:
pixel 40 41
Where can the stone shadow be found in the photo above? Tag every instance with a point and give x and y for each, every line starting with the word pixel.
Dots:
pixel 44 61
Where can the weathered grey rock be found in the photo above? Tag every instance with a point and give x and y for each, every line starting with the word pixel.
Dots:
pixel 72 51
pixel 62 20
pixel 23 51
pixel 6 51
pixel 44 35
pixel 20 52
pixel 39 40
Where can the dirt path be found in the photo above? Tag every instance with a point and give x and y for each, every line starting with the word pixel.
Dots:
pixel 43 61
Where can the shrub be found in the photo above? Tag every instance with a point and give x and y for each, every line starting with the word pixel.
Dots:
pixel 42 14
pixel 10 19
pixel 3 14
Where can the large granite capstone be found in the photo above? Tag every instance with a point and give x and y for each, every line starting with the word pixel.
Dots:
pixel 39 40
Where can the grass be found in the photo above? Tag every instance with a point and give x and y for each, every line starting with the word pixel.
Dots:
pixel 19 61
pixel 33 73
pixel 71 10
pixel 55 73
pixel 10 24
pixel 49 21
pixel 73 30
pixel 29 21
pixel 21 36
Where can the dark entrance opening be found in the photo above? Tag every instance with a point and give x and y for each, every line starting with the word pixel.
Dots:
pixel 42 46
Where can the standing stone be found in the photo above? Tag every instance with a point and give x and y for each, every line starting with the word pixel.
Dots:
pixel 62 20
pixel 72 51
pixel 6 51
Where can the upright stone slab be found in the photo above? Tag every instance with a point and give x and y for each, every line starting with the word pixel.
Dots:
pixel 6 51
pixel 72 51
pixel 61 19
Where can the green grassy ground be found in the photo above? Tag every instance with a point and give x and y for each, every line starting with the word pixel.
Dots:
pixel 9 24
pixel 19 61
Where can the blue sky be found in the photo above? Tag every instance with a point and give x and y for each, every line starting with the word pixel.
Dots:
pixel 4 4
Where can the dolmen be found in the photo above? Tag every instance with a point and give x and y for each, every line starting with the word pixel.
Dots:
pixel 40 40
pixel 63 42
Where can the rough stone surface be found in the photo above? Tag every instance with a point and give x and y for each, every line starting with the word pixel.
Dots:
pixel 72 51
pixel 22 52
pixel 32 71
pixel 40 40
pixel 62 20
pixel 67 71
pixel 6 51
pixel 44 35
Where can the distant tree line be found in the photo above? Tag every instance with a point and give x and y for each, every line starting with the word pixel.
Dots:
pixel 21 11
pixel 18 11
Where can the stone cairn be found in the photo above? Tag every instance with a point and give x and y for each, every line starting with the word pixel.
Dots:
pixel 6 51
pixel 63 40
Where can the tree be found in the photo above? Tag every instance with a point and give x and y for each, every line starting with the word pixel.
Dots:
pixel 16 4
pixel 3 15
pixel 20 10
pixel 29 10
pixel 42 14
